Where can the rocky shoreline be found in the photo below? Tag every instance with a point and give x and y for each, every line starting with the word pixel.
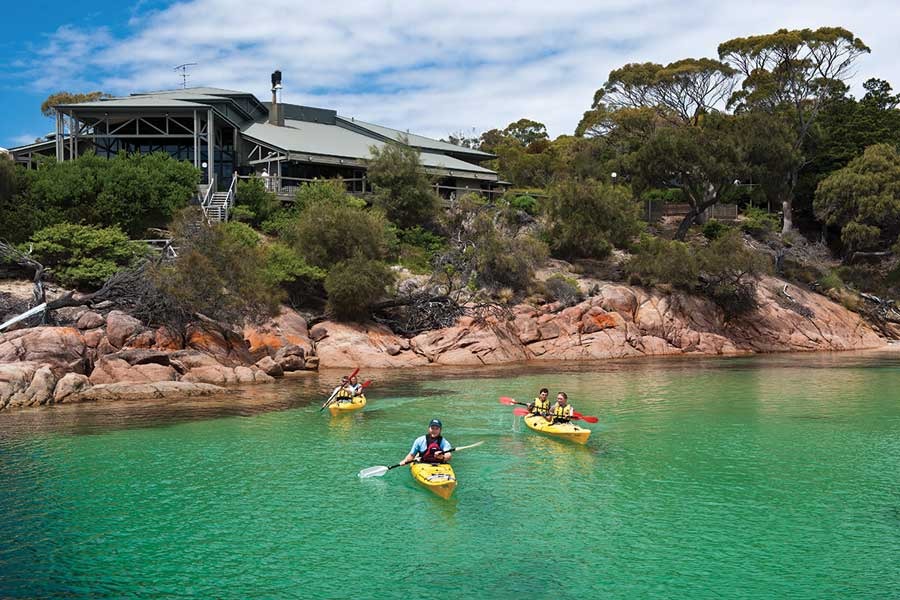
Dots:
pixel 113 356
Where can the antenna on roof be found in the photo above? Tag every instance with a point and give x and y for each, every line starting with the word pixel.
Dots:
pixel 184 73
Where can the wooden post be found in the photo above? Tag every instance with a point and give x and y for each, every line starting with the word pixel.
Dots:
pixel 60 147
pixel 196 140
pixel 210 145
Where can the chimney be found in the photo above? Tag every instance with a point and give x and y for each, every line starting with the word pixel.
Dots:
pixel 276 114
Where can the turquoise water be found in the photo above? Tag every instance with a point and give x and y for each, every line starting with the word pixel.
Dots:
pixel 772 477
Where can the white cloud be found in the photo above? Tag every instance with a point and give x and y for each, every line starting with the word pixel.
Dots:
pixel 433 67
pixel 24 139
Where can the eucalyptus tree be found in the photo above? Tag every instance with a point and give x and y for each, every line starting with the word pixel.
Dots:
pixel 863 199
pixel 793 73
pixel 704 162
pixel 680 92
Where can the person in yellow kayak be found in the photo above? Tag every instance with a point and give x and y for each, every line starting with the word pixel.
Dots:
pixel 562 411
pixel 431 447
pixel 355 387
pixel 343 392
pixel 541 404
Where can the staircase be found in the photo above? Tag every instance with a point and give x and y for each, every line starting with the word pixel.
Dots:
pixel 217 205
pixel 217 209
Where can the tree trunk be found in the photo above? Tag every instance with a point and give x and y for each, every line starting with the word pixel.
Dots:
pixel 685 224
pixel 788 222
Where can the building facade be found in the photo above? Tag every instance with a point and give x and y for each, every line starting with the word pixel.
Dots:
pixel 225 132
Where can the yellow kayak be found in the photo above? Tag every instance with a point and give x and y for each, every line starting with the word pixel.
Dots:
pixel 340 407
pixel 566 431
pixel 439 478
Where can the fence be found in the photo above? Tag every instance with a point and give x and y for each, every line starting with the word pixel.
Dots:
pixel 656 210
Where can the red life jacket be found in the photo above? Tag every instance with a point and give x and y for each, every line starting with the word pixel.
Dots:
pixel 432 446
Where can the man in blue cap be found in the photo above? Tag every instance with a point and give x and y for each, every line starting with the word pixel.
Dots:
pixel 431 447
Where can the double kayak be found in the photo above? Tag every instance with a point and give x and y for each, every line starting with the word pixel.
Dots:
pixel 340 407
pixel 439 478
pixel 566 431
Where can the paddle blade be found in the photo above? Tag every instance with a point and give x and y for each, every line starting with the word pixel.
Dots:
pixel 521 411
pixel 366 383
pixel 507 400
pixel 373 472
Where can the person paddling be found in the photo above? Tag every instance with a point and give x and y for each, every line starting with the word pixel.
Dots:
pixel 355 387
pixel 562 411
pixel 541 404
pixel 431 447
pixel 343 392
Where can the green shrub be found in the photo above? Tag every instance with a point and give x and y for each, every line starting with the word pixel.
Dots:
pixel 84 256
pixel 484 250
pixel 287 269
pixel 326 233
pixel 331 191
pixel 354 285
pixel 416 248
pixel 280 221
pixel 713 229
pixel 585 219
pixel 253 203
pixel 563 289
pixel 831 281
pixel 402 189
pixel 660 261
pixel 525 203
pixel 758 222
pixel 217 272
pixel 20 218
pixel 859 236
pixel 729 268
pixel 132 191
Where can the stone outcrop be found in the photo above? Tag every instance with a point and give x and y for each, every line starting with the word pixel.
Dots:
pixel 115 356
pixel 618 321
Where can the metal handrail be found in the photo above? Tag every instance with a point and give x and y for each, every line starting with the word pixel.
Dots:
pixel 207 199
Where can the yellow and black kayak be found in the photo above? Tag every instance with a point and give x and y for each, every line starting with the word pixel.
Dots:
pixel 343 406
pixel 565 431
pixel 439 478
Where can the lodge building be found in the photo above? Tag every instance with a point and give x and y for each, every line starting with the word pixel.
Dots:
pixel 225 132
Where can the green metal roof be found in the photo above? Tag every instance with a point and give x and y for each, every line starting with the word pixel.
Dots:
pixel 335 140
pixel 418 141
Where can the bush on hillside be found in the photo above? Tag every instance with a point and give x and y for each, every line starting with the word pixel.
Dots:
pixel 759 223
pixel 724 271
pixel 486 250
pixel 660 261
pixel 354 285
pixel 563 289
pixel 326 190
pixel 402 189
pixel 416 248
pixel 714 229
pixel 586 219
pixel 326 233
pixel 217 272
pixel 253 203
pixel 287 269
pixel 132 191
pixel 20 217
pixel 84 256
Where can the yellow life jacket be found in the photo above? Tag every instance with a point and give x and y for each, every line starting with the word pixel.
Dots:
pixel 344 393
pixel 540 406
pixel 562 411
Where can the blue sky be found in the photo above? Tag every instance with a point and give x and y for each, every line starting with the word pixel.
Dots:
pixel 435 67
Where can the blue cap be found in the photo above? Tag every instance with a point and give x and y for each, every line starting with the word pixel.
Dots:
pixel 435 423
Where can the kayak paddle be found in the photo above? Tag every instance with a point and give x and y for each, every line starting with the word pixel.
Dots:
pixel 379 471
pixel 510 401
pixel 522 412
